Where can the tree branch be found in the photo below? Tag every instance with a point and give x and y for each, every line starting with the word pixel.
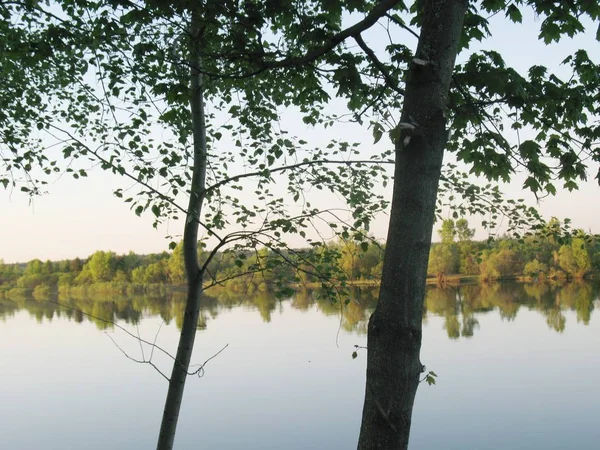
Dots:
pixel 390 81
pixel 200 370
pixel 266 171
pixel 401 24
pixel 380 10
pixel 162 196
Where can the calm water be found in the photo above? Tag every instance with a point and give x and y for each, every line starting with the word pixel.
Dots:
pixel 518 369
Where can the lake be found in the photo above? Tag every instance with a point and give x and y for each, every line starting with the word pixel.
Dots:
pixel 517 368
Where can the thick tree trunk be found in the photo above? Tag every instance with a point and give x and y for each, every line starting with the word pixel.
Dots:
pixel 394 334
pixel 190 251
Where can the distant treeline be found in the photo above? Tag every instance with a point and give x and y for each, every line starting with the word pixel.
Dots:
pixel 547 254
pixel 109 273
pixel 543 255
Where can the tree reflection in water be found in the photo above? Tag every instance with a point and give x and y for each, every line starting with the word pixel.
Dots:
pixel 460 306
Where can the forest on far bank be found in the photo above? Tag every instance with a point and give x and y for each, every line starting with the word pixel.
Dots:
pixel 539 256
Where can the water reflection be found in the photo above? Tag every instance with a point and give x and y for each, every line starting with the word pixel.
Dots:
pixel 460 306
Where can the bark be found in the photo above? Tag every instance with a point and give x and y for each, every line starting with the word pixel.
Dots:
pixel 394 332
pixel 190 250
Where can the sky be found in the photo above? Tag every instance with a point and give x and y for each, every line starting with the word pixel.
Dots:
pixel 78 217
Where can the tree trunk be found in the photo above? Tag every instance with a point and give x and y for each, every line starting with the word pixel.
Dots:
pixel 190 250
pixel 394 333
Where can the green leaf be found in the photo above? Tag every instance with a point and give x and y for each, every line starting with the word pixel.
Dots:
pixel 514 14
pixel 377 133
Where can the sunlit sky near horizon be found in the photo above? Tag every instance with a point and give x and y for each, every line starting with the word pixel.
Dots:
pixel 78 217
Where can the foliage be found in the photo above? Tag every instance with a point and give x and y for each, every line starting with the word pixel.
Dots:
pixel 101 266
pixel 360 259
pixel 575 258
pixel 443 260
pixel 558 112
pixel 135 55
pixel 534 268
pixel 463 232
pixel 539 255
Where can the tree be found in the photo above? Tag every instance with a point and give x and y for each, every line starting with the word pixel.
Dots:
pixel 394 333
pixel 35 266
pixel 534 268
pixel 448 231
pixel 487 268
pixel 581 256
pixel 463 232
pixel 443 260
pixel 160 63
pixel 101 266
pixel 359 258
pixel 574 258
pixel 480 88
pixel 175 265
pixel 446 258
pixel 468 251
pixel 151 273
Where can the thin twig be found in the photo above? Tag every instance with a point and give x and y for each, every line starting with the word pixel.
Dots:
pixel 200 370
pixel 143 361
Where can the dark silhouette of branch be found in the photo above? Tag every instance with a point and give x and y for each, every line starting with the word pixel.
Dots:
pixel 113 323
pixel 137 329
pixel 378 11
pixel 120 170
pixel 222 281
pixel 155 338
pixel 139 361
pixel 401 24
pixel 141 341
pixel 374 15
pixel 358 116
pixel 292 167
pixel 481 113
pixel 200 370
pixel 389 79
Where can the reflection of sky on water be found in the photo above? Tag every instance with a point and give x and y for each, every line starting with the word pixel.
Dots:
pixel 517 383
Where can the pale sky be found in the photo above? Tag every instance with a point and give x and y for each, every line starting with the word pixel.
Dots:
pixel 78 217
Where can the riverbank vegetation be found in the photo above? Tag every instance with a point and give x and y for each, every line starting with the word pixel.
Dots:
pixel 543 255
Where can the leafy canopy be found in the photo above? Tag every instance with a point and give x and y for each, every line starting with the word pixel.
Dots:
pixel 106 81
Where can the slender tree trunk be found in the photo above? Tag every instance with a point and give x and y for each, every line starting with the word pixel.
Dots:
pixel 394 333
pixel 190 250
